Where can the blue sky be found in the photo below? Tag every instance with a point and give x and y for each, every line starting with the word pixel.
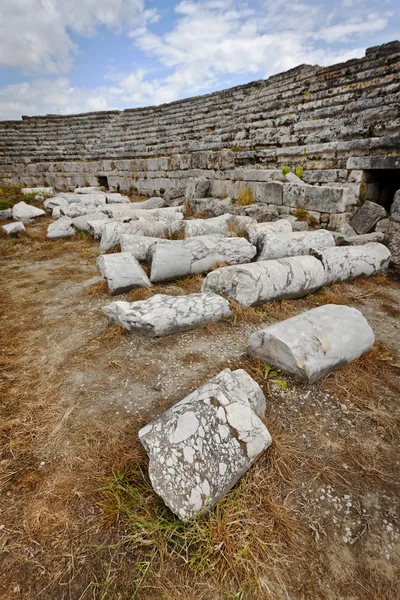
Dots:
pixel 68 56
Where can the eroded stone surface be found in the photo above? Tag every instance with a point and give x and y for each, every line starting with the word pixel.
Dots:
pixel 13 228
pixel 395 208
pixel 314 343
pixel 268 280
pixel 165 315
pixel 200 447
pixel 348 262
pixel 111 232
pixel 137 245
pixel 62 228
pixel 172 259
pixel 366 217
pixel 47 191
pixel 280 245
pixel 25 211
pixel 122 272
pixel 259 229
pixel 366 238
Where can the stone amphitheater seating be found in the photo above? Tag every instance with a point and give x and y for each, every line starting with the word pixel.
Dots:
pixel 327 120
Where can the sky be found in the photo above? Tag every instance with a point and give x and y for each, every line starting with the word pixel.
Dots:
pixel 72 56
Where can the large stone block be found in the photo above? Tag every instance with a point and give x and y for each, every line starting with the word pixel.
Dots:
pixel 320 198
pixel 366 217
pixel 395 208
pixel 165 315
pixel 314 343
pixel 44 191
pixel 200 447
pixel 348 262
pixel 197 188
pixel 269 280
pixel 137 245
pixel 279 245
pixel 111 232
pixel 13 228
pixel 60 229
pixel 210 207
pixel 122 272
pixel 24 211
pixel 174 259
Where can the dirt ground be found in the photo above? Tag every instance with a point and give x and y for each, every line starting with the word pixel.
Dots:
pixel 316 517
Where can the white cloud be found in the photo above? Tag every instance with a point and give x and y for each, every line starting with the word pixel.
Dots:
pixel 209 43
pixel 34 34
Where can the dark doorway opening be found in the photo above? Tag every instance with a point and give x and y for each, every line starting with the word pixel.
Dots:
pixel 103 181
pixel 381 185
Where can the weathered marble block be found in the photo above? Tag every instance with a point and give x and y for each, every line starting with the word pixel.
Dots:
pixel 257 230
pixel 6 214
pixel 268 280
pixel 13 228
pixel 367 216
pixel 60 229
pixel 117 199
pixel 122 272
pixel 314 343
pixel 210 207
pixel 111 232
pixel 150 203
pixel 197 188
pixel 197 227
pixel 366 238
pixel 165 315
pixel 280 245
pixel 168 214
pixel 348 262
pixel 88 190
pixel 55 202
pixel 200 447
pixel 25 211
pixel 395 208
pixel 173 259
pixel 137 245
pixel 46 191
pixel 82 223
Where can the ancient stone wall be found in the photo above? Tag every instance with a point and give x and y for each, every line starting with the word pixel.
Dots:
pixel 330 121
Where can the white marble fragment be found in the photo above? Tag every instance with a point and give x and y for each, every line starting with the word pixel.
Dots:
pixel 137 245
pixel 174 259
pixel 111 232
pixel 25 211
pixel 314 343
pixel 348 262
pixel 280 245
pixel 190 465
pixel 122 272
pixel 13 228
pixel 165 315
pixel 268 280
pixel 62 228
pixel 88 190
pixel 257 230
pixel 114 198
pixel 46 191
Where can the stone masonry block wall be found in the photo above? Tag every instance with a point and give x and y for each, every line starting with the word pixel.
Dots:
pixel 314 117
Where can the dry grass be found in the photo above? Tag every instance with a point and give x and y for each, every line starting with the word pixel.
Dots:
pixel 245 197
pixel 367 383
pixel 86 523
pixel 228 548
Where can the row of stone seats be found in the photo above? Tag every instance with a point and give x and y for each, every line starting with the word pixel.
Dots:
pixel 237 120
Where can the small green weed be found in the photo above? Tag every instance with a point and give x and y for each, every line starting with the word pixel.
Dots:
pixel 270 377
pixel 285 169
